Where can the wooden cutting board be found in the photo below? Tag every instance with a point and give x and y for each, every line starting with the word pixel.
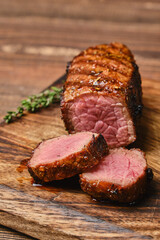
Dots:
pixel 61 210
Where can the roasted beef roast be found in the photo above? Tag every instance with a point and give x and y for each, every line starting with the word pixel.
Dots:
pixel 65 156
pixel 120 176
pixel 102 94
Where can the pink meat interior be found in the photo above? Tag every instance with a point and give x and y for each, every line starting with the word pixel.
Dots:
pixel 58 148
pixel 103 114
pixel 121 167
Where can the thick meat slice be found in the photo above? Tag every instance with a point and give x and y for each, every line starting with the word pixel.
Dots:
pixel 121 176
pixel 65 156
pixel 102 94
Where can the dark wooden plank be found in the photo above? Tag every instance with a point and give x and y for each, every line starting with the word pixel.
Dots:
pixel 116 11
pixel 61 43
pixel 7 233
pixel 56 220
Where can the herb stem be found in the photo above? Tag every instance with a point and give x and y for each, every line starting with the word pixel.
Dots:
pixel 34 103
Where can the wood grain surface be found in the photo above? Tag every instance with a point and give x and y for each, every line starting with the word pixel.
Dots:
pixel 6 233
pixel 37 39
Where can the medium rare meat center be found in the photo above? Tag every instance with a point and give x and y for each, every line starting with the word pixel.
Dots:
pixel 102 94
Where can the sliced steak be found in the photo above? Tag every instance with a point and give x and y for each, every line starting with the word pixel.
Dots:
pixel 102 94
pixel 120 176
pixel 65 156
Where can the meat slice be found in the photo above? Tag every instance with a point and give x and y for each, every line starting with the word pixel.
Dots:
pixel 65 156
pixel 120 176
pixel 102 94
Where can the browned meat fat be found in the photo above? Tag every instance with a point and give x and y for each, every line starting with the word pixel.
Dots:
pixel 120 176
pixel 102 94
pixel 65 156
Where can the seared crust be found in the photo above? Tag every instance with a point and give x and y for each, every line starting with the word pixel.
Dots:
pixel 103 190
pixel 73 164
pixel 104 69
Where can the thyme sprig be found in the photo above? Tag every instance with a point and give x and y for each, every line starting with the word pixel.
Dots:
pixel 34 103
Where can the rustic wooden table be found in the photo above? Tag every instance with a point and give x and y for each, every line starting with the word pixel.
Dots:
pixel 38 37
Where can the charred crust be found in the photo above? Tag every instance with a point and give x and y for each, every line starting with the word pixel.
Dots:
pixel 67 67
pixel 134 94
pixel 138 110
pixel 115 191
pixel 101 190
pixel 149 174
pixel 93 137
pixel 99 144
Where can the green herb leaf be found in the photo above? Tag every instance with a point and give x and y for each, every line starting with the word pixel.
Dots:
pixel 34 103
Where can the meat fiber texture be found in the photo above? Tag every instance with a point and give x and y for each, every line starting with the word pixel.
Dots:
pixel 65 156
pixel 102 94
pixel 120 176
